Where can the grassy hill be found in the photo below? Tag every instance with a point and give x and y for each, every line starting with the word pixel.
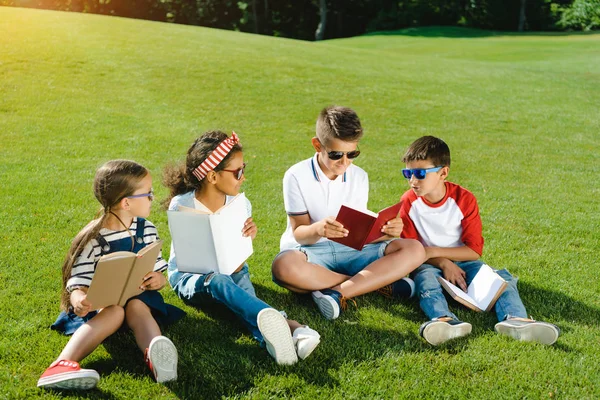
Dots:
pixel 520 113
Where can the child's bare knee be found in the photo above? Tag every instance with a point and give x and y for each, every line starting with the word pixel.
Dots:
pixel 285 264
pixel 113 316
pixel 114 311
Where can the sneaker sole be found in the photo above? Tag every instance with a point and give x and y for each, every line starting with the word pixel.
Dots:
pixel 278 338
pixel 439 332
pixel 82 380
pixel 163 356
pixel 327 306
pixel 534 332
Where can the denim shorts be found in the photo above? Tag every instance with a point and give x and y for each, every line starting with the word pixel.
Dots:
pixel 342 259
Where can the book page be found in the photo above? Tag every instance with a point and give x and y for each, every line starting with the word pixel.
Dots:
pixel 191 210
pixel 455 291
pixel 109 279
pixel 144 263
pixel 192 242
pixel 232 249
pixel 485 286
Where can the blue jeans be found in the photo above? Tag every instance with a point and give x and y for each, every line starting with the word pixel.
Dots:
pixel 235 291
pixel 434 304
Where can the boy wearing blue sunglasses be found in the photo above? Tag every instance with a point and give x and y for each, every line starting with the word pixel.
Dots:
pixel 444 217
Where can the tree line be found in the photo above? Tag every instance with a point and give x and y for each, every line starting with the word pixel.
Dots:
pixel 325 19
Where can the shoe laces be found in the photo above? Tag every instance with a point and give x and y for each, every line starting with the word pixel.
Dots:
pixel 387 291
pixel 344 303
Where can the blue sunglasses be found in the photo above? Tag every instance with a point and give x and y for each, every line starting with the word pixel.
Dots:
pixel 419 173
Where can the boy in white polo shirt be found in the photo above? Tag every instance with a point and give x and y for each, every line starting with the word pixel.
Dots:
pixel 313 192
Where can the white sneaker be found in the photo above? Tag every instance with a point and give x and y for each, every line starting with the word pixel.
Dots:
pixel 306 340
pixel 278 338
pixel 161 357
pixel 440 330
pixel 528 330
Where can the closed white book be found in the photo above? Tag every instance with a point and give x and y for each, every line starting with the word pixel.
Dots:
pixel 206 243
pixel 482 292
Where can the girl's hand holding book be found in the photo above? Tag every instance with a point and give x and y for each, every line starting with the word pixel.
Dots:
pixel 81 307
pixel 153 281
pixel 250 229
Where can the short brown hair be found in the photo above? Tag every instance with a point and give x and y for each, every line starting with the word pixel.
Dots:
pixel 336 122
pixel 428 148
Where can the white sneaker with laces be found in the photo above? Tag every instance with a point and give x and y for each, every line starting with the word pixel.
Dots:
pixel 306 340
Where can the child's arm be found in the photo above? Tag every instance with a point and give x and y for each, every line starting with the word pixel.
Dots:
pixel 452 272
pixel 307 233
pixel 443 257
pixel 462 253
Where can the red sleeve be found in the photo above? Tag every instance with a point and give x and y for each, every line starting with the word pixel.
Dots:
pixel 409 231
pixel 471 223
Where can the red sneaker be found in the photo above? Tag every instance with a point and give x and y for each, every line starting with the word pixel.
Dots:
pixel 67 374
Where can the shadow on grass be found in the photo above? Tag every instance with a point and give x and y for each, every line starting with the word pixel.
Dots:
pixel 553 306
pixel 542 304
pixel 218 357
pixel 458 32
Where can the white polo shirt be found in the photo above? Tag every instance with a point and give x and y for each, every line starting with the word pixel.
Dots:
pixel 307 190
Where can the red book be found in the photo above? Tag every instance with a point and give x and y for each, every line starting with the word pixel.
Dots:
pixel 363 228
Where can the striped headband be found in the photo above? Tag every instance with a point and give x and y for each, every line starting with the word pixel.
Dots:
pixel 216 156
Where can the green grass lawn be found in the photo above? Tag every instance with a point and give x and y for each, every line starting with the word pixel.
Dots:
pixel 520 113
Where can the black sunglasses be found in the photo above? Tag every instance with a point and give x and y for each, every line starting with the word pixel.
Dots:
pixel 237 172
pixel 336 155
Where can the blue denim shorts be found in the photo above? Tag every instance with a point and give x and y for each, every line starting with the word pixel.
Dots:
pixel 342 259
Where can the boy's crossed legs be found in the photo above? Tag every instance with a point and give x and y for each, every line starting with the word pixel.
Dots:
pixel 334 272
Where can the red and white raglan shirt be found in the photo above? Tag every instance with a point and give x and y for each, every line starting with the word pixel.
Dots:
pixel 452 222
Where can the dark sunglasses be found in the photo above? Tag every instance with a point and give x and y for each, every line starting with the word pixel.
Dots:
pixel 238 173
pixel 419 173
pixel 149 195
pixel 336 155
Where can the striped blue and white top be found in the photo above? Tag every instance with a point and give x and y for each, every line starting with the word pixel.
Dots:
pixel 85 265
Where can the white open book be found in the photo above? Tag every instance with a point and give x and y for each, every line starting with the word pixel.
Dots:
pixel 207 243
pixel 483 291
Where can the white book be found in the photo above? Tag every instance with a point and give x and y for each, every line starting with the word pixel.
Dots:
pixel 482 293
pixel 207 243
